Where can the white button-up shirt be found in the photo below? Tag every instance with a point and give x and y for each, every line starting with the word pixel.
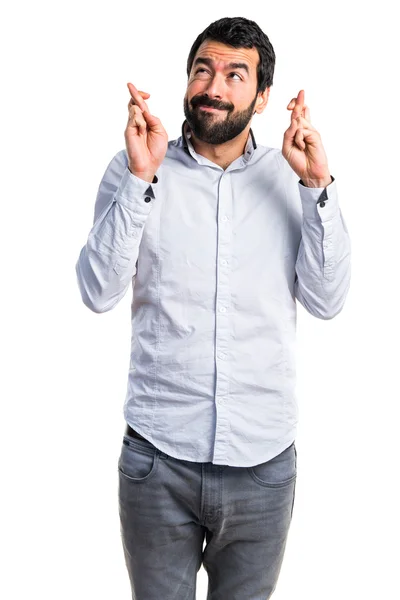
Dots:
pixel 216 259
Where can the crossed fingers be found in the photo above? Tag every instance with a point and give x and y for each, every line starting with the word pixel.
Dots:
pixel 300 128
pixel 300 111
pixel 137 97
pixel 137 106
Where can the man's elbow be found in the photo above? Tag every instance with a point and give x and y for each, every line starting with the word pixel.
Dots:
pixel 323 306
pixel 91 297
pixel 328 308
pixel 95 304
pixel 329 312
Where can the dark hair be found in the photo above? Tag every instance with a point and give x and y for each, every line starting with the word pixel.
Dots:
pixel 240 33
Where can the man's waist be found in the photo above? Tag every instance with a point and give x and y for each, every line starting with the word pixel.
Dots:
pixel 132 432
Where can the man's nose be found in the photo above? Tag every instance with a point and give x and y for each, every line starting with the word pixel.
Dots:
pixel 215 87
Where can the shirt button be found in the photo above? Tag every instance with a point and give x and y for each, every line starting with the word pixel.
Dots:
pixel 221 355
pixel 224 262
pixel 147 199
pixel 222 309
pixel 322 204
pixel 224 218
pixel 221 400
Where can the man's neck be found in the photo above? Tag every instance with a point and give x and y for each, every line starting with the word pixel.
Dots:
pixel 221 154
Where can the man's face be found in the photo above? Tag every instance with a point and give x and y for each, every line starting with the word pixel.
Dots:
pixel 221 94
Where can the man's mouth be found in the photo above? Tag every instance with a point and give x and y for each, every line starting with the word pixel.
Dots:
pixel 208 108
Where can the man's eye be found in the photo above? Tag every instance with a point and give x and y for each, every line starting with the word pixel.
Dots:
pixel 199 70
pixel 237 74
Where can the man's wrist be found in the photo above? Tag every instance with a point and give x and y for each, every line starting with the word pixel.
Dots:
pixel 317 183
pixel 146 176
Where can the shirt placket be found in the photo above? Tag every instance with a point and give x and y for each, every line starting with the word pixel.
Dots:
pixel 223 315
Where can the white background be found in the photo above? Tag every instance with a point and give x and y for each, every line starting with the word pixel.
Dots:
pixel 64 369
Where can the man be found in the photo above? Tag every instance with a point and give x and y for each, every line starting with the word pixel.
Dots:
pixel 219 237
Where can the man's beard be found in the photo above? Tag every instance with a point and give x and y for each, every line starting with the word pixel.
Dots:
pixel 211 130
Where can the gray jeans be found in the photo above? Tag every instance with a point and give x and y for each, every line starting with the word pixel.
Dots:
pixel 168 508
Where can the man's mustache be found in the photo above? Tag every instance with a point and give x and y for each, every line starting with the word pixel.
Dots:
pixel 206 101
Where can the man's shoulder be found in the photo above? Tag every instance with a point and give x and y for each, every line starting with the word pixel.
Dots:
pixel 267 157
pixel 263 150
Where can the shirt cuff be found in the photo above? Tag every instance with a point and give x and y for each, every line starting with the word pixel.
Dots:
pixel 135 193
pixel 319 202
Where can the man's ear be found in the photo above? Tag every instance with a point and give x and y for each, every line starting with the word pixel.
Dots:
pixel 262 100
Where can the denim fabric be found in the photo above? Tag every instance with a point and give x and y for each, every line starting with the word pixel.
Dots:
pixel 177 515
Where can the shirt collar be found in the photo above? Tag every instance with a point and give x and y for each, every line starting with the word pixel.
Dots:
pixel 248 151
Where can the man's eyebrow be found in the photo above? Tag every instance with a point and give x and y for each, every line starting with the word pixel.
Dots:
pixel 232 65
pixel 238 65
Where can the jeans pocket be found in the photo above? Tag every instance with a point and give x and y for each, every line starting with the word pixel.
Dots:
pixel 278 471
pixel 138 460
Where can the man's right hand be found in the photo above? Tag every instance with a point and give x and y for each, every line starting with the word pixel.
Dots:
pixel 145 138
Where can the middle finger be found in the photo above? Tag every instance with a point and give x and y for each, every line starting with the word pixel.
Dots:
pixel 298 108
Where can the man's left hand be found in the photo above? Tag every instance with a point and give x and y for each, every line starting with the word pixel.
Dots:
pixel 302 146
